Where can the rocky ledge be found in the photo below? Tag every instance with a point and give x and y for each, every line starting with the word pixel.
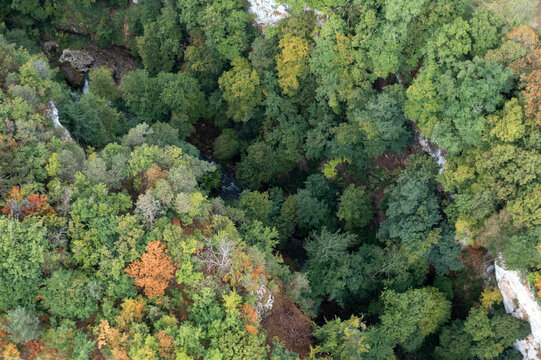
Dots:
pixel 73 64
pixel 519 301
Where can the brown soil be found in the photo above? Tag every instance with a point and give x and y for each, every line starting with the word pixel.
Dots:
pixel 203 137
pixel 289 324
pixel 189 230
pixel 115 57
pixel 393 161
pixel 473 258
pixel 469 283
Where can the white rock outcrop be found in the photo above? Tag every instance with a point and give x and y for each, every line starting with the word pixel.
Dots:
pixel 519 301
pixel 267 12
pixel 432 149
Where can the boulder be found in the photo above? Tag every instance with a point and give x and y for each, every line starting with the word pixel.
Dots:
pixel 73 64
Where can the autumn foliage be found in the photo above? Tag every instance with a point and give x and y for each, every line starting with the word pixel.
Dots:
pixel 153 271
pixel 19 205
pixel 529 69
pixel 166 345
pixel 153 175
pixel 37 350
pixel 113 338
pixel 251 317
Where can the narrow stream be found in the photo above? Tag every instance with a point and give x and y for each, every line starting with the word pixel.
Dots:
pixel 229 188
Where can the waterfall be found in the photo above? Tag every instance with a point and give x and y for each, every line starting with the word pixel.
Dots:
pixel 432 149
pixel 86 86
pixel 53 114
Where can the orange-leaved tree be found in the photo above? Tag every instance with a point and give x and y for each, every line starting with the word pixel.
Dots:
pixel 153 271
pixel 18 205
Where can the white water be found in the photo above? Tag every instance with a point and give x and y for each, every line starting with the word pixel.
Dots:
pixel 86 86
pixel 398 78
pixel 53 114
pixel 519 301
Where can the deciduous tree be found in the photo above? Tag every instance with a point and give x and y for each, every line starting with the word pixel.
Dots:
pixel 153 271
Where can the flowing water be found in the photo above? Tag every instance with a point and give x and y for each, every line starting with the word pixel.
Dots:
pixel 229 188
pixel 53 114
pixel 86 86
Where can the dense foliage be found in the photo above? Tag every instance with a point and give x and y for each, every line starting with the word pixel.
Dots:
pixel 121 238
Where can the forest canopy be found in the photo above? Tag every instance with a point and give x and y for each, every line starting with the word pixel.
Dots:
pixel 179 180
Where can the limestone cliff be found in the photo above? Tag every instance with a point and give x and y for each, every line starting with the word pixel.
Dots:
pixel 519 301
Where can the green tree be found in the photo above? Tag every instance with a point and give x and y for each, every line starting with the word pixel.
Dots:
pixel 355 207
pixel 339 71
pixel 23 325
pixel 411 316
pixel 241 89
pixel 262 56
pixel 7 59
pixel 522 251
pixel 258 165
pixel 257 234
pixel 451 108
pixel 485 31
pixel 343 339
pixel 23 245
pixel 102 83
pixel 227 145
pixel 69 294
pixel 225 24
pixel 480 336
pixel 444 254
pixel 383 124
pixel 313 213
pixel 286 221
pixel 329 265
pixel 160 47
pixel 92 121
pixel 452 43
pixel 256 205
pixel 183 96
pixel 413 207
pixel 142 95
pixel 335 271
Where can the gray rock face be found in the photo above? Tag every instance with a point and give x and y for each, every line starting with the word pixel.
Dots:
pixel 519 301
pixel 80 60
pixel 50 47
pixel 73 64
